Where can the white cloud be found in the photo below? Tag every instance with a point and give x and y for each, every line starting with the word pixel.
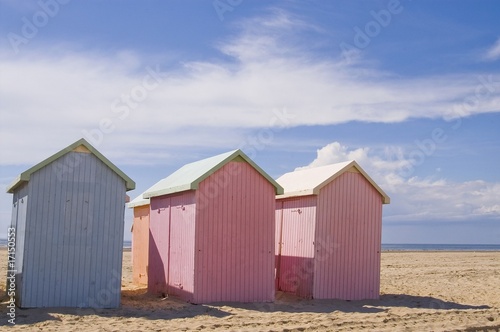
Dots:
pixel 53 96
pixel 414 198
pixel 493 52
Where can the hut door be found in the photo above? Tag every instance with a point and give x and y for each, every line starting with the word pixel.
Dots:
pixel 278 240
pixel 13 220
pixel 296 259
pixel 159 235
pixel 181 246
pixel 18 223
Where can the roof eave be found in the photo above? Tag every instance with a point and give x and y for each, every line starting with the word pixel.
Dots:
pixel 333 177
pixel 167 191
pixel 299 193
pixel 129 183
pixel 316 190
pixel 16 183
pixel 194 184
pixel 25 176
pixel 142 202
pixel 278 188
pixel 385 198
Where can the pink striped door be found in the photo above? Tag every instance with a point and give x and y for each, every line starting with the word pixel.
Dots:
pixel 296 262
pixel 159 220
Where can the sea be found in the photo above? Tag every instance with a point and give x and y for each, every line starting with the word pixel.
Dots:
pixel 393 246
pixel 439 247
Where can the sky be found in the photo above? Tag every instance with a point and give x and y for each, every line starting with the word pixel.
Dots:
pixel 408 89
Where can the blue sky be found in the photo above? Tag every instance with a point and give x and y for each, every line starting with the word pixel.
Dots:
pixel 410 89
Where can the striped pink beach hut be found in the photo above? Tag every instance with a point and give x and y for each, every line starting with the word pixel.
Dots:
pixel 212 231
pixel 328 233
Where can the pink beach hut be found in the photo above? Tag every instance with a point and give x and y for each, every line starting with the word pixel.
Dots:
pixel 140 240
pixel 212 231
pixel 328 233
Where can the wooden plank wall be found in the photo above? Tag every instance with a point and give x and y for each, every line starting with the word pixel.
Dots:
pixel 171 245
pixel 348 240
pixel 235 235
pixel 140 245
pixel 74 234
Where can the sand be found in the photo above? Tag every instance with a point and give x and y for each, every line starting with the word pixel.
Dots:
pixel 421 291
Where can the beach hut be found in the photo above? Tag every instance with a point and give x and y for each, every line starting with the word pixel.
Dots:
pixel 140 240
pixel 68 213
pixel 212 231
pixel 328 233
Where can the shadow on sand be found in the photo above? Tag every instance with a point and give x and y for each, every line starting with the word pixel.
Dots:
pixel 424 302
pixel 138 303
pixel 286 302
pixel 135 303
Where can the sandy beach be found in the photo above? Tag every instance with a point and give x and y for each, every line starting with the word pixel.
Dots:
pixel 420 291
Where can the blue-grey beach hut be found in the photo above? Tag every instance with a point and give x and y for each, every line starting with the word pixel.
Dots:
pixel 68 216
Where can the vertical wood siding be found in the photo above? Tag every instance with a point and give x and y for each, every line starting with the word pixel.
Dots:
pixel 140 245
pixel 159 221
pixel 235 235
pixel 296 262
pixel 74 234
pixel 278 217
pixel 348 235
pixel 180 272
pixel 18 222
pixel 171 245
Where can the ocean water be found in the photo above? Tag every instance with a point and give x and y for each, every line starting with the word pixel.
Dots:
pixel 393 247
pixel 440 247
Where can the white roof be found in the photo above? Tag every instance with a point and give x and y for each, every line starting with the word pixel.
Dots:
pixel 309 181
pixel 189 176
pixel 138 201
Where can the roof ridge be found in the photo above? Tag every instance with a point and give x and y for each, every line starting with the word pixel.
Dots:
pixel 312 185
pixel 190 175
pixel 25 176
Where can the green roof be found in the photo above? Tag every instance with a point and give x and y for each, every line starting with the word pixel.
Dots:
pixel 138 201
pixel 191 175
pixel 25 176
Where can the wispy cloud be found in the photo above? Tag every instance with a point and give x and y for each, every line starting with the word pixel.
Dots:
pixel 417 199
pixel 60 96
pixel 493 53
